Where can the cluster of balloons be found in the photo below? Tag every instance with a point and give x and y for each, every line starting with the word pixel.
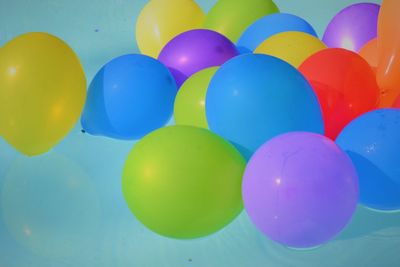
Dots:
pixel 260 101
pixel 269 117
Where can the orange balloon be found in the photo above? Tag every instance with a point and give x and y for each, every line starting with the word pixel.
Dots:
pixel 370 53
pixel 345 86
pixel 388 71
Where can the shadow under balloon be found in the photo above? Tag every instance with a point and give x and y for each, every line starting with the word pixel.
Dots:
pixel 243 50
pixel 246 153
pixel 179 77
pixel 377 189
pixel 366 221
pixel 376 185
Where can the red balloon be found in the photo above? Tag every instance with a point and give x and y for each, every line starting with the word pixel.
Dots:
pixel 397 102
pixel 345 85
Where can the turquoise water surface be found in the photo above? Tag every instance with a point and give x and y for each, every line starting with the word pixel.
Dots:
pixel 73 210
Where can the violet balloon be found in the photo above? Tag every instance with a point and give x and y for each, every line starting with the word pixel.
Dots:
pixel 353 27
pixel 300 189
pixel 194 50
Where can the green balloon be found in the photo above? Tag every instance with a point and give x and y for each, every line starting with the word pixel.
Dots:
pixel 189 106
pixel 232 17
pixel 183 182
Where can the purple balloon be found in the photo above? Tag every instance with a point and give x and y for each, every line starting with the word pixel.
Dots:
pixel 194 50
pixel 300 189
pixel 353 27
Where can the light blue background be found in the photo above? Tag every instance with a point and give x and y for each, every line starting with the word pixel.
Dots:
pixel 109 235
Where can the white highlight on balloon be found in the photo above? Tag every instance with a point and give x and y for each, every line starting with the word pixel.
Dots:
pixel 348 44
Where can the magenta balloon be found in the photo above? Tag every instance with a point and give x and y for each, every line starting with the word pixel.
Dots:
pixel 194 50
pixel 300 189
pixel 353 27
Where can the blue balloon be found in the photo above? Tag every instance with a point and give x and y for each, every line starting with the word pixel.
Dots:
pixel 270 25
pixel 373 143
pixel 253 98
pixel 129 97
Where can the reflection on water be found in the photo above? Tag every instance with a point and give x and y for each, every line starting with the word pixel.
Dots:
pixel 49 205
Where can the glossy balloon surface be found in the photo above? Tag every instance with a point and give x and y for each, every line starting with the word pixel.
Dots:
pixel 231 18
pixel 129 97
pixel 42 92
pixel 267 26
pixel 190 102
pixel 300 189
pixel 389 52
pixel 184 182
pixel 345 85
pixel 373 143
pixel 161 20
pixel 196 50
pixel 352 27
pixel 254 97
pixel 292 47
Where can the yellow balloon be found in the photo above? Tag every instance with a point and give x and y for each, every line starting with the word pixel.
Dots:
pixel 189 108
pixel 292 47
pixel 42 92
pixel 162 20
pixel 232 17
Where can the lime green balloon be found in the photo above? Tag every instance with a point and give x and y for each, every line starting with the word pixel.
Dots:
pixel 232 17
pixel 189 106
pixel 183 182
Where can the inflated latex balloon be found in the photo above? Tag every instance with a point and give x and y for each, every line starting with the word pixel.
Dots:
pixel 43 90
pixel 373 143
pixel 292 47
pixel 389 52
pixel 254 97
pixel 232 17
pixel 370 53
pixel 162 20
pixel 352 27
pixel 129 97
pixel 270 25
pixel 345 85
pixel 190 101
pixel 397 102
pixel 50 206
pixel 300 189
pixel 183 182
pixel 195 50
